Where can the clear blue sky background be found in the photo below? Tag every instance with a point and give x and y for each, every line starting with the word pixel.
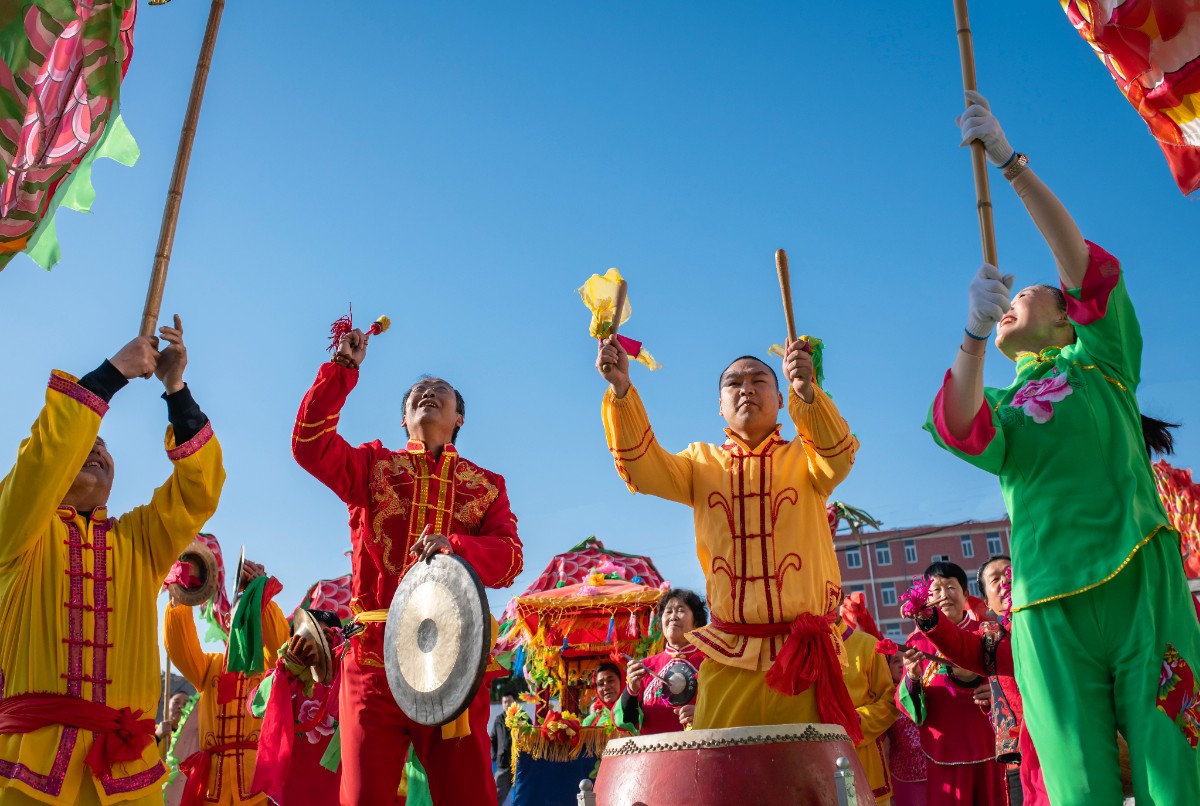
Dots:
pixel 463 169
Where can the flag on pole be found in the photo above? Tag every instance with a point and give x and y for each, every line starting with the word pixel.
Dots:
pixel 1152 49
pixel 61 66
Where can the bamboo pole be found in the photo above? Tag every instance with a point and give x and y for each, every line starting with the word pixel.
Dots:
pixel 166 232
pixel 983 196
pixel 785 287
pixel 618 309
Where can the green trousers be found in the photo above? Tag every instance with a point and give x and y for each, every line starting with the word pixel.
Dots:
pixel 1124 656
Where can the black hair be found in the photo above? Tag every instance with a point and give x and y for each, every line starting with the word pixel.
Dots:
pixel 608 666
pixel 694 603
pixel 947 570
pixel 460 405
pixel 326 618
pixel 1156 434
pixel 748 358
pixel 986 563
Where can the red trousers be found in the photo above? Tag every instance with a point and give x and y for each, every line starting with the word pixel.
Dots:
pixel 376 735
pixel 981 784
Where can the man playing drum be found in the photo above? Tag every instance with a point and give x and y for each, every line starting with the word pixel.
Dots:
pixel 772 652
pixel 405 506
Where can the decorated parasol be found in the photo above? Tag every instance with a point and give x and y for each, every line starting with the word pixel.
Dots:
pixel 60 86
pixel 561 635
pixel 328 594
pixel 1181 497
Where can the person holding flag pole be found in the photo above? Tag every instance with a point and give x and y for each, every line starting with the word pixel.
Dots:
pixel 1104 634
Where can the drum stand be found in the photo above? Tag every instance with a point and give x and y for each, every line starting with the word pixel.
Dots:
pixel 843 784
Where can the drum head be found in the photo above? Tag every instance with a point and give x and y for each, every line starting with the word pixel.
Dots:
pixel 437 640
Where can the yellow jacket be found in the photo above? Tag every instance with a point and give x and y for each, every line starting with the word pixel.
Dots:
pixel 761 532
pixel 78 612
pixel 869 681
pixel 232 771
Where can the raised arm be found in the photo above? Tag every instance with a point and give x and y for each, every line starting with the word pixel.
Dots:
pixel 316 443
pixel 59 444
pixel 183 645
pixel 643 464
pixel 1048 214
pixel 823 432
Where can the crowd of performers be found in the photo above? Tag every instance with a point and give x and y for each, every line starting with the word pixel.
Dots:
pixel 1080 663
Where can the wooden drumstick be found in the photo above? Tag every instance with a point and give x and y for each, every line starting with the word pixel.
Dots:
pixel 618 309
pixel 785 287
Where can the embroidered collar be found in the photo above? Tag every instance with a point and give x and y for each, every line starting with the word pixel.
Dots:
pixel 735 443
pixel 68 513
pixel 417 446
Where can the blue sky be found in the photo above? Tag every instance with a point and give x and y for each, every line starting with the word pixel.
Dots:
pixel 464 169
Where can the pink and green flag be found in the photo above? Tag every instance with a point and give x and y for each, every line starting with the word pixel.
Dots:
pixel 61 66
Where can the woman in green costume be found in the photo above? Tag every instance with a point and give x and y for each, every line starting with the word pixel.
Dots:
pixel 1104 634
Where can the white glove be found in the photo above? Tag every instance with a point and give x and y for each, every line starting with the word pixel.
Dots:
pixel 987 300
pixel 978 123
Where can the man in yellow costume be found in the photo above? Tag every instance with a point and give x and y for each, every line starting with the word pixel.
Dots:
pixel 869 681
pixel 222 770
pixel 773 653
pixel 79 668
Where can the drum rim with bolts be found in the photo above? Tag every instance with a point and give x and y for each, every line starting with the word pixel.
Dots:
pixel 726 737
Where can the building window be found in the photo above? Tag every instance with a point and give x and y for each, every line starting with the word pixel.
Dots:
pixel 858 588
pixel 883 554
pixel 968 548
pixel 887 594
pixel 853 557
pixel 939 558
pixel 994 546
pixel 893 631
pixel 910 551
pixel 973 586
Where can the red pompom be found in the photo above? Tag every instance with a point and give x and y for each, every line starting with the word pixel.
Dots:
pixel 340 328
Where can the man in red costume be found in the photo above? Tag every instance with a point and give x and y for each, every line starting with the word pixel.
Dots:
pixel 404 506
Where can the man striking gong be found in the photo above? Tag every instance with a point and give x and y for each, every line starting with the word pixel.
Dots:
pixel 405 505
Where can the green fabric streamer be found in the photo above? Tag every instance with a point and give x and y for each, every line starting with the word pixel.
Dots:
pixel 418 783
pixel 77 192
pixel 214 631
pixel 171 759
pixel 258 705
pixel 245 652
pixel 332 758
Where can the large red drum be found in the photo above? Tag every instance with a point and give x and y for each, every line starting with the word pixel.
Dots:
pixel 773 764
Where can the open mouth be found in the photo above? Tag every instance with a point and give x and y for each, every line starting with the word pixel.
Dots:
pixel 427 404
pixel 93 463
pixel 1007 319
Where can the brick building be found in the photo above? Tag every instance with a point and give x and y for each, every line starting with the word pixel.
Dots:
pixel 886 561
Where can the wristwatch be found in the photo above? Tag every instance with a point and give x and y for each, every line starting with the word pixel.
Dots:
pixel 1015 167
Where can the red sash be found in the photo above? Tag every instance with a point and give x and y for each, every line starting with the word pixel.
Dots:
pixel 196 767
pixel 120 733
pixel 807 657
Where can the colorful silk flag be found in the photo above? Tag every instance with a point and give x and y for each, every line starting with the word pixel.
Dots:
pixel 61 66
pixel 1152 49
pixel 1181 498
